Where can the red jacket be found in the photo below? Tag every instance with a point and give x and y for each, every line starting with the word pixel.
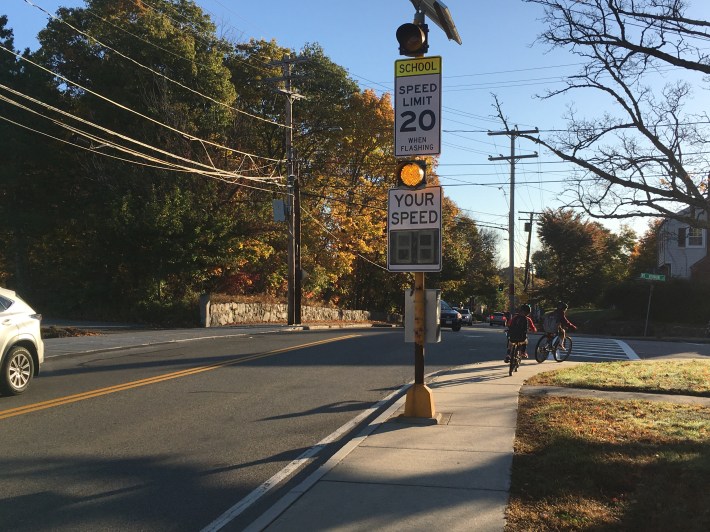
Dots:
pixel 531 324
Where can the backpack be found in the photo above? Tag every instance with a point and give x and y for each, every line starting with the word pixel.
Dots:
pixel 551 323
pixel 517 332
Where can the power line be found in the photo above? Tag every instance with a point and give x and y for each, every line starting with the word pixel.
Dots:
pixel 106 142
pixel 125 108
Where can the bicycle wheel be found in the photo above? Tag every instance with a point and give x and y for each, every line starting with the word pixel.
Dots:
pixel 514 363
pixel 563 352
pixel 541 350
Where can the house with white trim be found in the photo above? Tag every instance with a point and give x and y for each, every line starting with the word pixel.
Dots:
pixel 683 249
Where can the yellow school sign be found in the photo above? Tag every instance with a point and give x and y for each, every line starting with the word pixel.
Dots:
pixel 417 106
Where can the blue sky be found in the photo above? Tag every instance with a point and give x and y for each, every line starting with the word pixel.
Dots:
pixel 498 55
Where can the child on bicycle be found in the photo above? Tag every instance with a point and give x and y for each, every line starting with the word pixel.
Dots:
pixel 518 328
pixel 562 322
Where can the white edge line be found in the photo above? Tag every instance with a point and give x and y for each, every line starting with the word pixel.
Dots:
pixel 287 500
pixel 627 349
pixel 281 505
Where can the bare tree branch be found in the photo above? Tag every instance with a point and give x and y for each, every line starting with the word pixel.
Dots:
pixel 645 156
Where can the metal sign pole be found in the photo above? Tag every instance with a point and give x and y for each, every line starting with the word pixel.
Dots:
pixel 420 400
pixel 648 309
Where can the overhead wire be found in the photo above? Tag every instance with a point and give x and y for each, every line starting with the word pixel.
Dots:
pixel 128 109
pixel 476 184
pixel 338 239
pixel 160 167
pixel 87 35
pixel 111 132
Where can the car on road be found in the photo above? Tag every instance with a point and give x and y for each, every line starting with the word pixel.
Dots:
pixel 449 317
pixel 466 316
pixel 21 346
pixel 497 318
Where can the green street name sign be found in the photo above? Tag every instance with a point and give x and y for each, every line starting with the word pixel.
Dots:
pixel 653 277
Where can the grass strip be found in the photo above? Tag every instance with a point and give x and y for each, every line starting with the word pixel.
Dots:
pixel 589 464
pixel 687 377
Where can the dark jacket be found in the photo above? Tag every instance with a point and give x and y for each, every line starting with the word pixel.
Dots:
pixel 523 335
pixel 562 319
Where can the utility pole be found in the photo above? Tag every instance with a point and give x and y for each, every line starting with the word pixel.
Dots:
pixel 513 134
pixel 529 228
pixel 292 195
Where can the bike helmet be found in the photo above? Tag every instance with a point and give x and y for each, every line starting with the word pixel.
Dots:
pixel 561 305
pixel 525 308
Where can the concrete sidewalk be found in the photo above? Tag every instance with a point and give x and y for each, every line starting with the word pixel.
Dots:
pixel 398 475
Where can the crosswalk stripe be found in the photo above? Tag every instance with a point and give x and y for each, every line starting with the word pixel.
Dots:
pixel 601 349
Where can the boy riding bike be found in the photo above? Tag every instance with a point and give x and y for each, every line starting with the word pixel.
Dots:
pixel 518 328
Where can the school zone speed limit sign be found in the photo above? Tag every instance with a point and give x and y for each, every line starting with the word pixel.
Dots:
pixel 417 106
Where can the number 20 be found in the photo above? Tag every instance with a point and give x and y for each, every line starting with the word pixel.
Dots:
pixel 411 117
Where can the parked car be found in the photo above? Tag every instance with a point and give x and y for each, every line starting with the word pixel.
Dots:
pixel 497 318
pixel 21 346
pixel 449 317
pixel 466 316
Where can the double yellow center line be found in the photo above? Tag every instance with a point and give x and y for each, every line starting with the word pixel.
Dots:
pixel 59 401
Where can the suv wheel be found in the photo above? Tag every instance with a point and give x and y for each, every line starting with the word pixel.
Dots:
pixel 17 371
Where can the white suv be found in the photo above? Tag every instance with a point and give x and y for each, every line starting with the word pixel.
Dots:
pixel 21 346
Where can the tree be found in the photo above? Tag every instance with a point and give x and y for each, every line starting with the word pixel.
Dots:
pixel 579 258
pixel 344 157
pixel 35 197
pixel 644 258
pixel 649 158
pixel 148 233
pixel 469 260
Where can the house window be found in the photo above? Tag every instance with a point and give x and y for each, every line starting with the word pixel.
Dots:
pixel 695 237
pixel 681 237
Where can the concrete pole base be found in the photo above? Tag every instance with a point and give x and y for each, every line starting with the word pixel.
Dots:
pixel 420 402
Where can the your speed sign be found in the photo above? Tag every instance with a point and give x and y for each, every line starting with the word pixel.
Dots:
pixel 417 106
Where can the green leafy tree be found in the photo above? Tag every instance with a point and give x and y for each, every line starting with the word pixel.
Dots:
pixel 469 259
pixel 579 258
pixel 147 233
pixel 36 192
pixel 644 258
pixel 97 228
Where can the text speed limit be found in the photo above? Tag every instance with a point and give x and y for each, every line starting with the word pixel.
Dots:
pixel 417 106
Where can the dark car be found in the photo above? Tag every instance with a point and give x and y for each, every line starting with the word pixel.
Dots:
pixel 449 317
pixel 497 318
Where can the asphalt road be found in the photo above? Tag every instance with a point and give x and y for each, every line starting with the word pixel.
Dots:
pixel 169 437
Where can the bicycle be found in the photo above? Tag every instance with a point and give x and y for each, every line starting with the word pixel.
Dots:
pixel 513 351
pixel 549 343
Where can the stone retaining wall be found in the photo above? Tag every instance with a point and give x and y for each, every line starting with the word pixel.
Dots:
pixel 219 314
